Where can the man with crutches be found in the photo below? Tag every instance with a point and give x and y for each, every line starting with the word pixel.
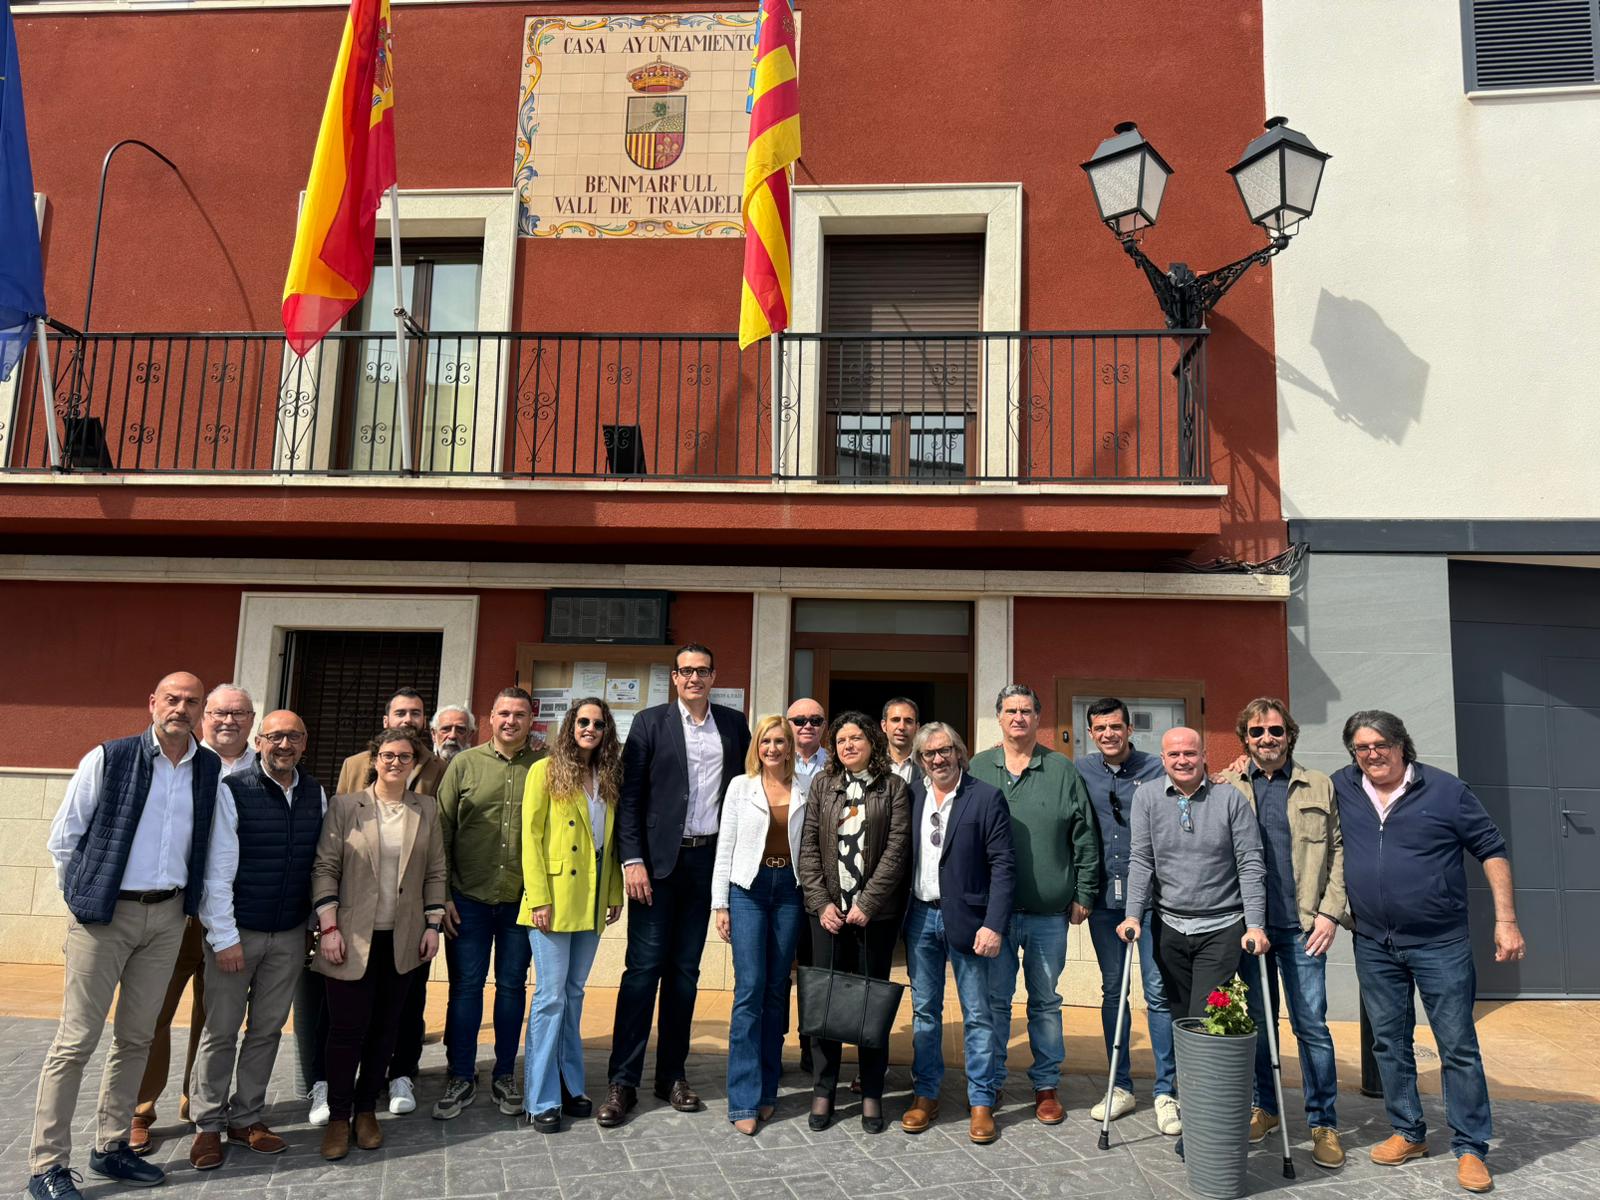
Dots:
pixel 1303 847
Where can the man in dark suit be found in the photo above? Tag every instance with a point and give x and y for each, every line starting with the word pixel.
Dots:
pixel 963 875
pixel 676 766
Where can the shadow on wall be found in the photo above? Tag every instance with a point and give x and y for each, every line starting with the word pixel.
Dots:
pixel 1378 383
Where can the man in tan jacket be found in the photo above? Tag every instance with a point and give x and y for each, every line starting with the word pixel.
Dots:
pixel 1304 853
pixel 405 710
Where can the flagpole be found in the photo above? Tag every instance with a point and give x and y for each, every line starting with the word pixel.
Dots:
pixel 403 394
pixel 777 407
pixel 47 397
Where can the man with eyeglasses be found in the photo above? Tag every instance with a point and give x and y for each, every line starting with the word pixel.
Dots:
pixel 962 880
pixel 480 818
pixel 1112 773
pixel 1303 848
pixel 1406 827
pixel 1057 877
pixel 255 907
pixel 1196 846
pixel 453 731
pixel 225 726
pixel 676 767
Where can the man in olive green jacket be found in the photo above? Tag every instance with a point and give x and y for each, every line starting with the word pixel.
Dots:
pixel 1304 851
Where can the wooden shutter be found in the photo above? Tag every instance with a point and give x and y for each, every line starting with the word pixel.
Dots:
pixel 1530 43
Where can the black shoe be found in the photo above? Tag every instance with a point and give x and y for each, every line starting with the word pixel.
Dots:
pixel 58 1183
pixel 872 1124
pixel 575 1106
pixel 680 1095
pixel 818 1121
pixel 119 1163
pixel 549 1121
pixel 619 1102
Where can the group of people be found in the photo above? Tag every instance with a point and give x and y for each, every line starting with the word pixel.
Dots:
pixel 217 860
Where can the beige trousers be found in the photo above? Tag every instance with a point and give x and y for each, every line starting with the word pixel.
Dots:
pixel 265 990
pixel 129 959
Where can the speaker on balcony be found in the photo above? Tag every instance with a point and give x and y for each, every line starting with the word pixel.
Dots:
pixel 624 450
pixel 85 444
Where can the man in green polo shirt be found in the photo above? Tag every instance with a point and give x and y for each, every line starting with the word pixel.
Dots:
pixel 1058 877
pixel 480 813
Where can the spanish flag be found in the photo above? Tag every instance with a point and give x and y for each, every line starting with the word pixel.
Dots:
pixel 352 168
pixel 774 146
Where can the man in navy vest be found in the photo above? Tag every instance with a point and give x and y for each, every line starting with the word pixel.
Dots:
pixel 257 899
pixel 130 848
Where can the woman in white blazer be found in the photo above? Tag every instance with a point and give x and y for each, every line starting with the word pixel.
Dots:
pixel 757 901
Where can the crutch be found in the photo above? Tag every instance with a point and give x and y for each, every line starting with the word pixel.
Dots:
pixel 1277 1064
pixel 1116 1042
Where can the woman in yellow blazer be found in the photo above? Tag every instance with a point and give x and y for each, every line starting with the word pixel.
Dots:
pixel 571 890
pixel 378 888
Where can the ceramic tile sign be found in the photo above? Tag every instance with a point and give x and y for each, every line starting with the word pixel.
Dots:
pixel 633 126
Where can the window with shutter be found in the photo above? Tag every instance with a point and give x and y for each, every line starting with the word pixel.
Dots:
pixel 903 375
pixel 1530 43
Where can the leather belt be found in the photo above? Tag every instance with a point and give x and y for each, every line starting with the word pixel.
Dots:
pixel 699 839
pixel 149 897
pixel 929 903
pixel 774 861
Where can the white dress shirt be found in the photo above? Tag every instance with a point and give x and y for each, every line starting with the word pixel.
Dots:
pixel 243 763
pixel 1378 805
pixel 222 862
pixel 903 770
pixel 159 857
pixel 703 744
pixel 926 885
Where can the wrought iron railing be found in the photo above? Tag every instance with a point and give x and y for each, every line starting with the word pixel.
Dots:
pixel 937 408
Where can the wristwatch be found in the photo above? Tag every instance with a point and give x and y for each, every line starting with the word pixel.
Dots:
pixel 436 926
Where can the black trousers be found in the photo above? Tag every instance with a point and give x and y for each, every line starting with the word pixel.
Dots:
pixel 410 1031
pixel 362 1018
pixel 665 939
pixel 1193 965
pixel 867 950
pixel 311 1028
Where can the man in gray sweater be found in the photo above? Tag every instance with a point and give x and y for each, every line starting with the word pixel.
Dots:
pixel 1195 852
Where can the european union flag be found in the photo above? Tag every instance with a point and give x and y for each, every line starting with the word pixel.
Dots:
pixel 21 266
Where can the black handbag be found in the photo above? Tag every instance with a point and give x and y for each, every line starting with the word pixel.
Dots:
pixel 839 1006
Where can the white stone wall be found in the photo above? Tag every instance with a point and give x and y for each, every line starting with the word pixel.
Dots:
pixel 33 920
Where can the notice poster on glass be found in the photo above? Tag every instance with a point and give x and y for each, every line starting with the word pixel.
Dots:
pixel 588 679
pixel 624 721
pixel 731 697
pixel 623 691
pixel 660 683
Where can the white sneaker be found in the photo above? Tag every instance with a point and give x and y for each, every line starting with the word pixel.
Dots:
pixel 1122 1103
pixel 1167 1119
pixel 319 1102
pixel 402 1096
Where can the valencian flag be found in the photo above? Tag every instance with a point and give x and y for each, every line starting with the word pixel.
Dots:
pixel 352 168
pixel 774 146
pixel 21 268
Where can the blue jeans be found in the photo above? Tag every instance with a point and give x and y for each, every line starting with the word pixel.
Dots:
pixel 1108 952
pixel 485 927
pixel 1443 973
pixel 927 951
pixel 765 920
pixel 1305 991
pixel 1042 940
pixel 554 1049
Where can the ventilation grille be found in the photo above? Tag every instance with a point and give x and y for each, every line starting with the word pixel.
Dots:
pixel 1530 43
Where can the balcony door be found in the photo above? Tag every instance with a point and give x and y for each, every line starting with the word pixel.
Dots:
pixel 901 368
pixel 441 282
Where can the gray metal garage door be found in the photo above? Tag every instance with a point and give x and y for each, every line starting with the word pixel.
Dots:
pixel 1526 649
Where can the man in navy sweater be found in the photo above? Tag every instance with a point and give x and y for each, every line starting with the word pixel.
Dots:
pixel 1405 827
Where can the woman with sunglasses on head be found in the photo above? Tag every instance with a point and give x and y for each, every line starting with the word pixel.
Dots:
pixel 572 889
pixel 755 896
pixel 855 865
pixel 378 888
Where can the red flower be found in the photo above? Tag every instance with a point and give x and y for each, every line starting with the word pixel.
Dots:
pixel 1219 999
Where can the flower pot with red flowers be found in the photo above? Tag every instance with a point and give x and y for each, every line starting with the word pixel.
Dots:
pixel 1216 1065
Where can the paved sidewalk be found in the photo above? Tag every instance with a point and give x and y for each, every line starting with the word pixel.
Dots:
pixel 1543 1151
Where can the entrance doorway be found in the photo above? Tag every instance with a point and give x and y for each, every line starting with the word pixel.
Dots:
pixel 859 654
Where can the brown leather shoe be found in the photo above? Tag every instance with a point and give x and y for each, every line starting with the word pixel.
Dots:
pixel 139 1139
pixel 1047 1108
pixel 205 1153
pixel 680 1095
pixel 1472 1173
pixel 981 1128
pixel 619 1102
pixel 258 1138
pixel 1394 1150
pixel 922 1113
pixel 336 1140
pixel 368 1135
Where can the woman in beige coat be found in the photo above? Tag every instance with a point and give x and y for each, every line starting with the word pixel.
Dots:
pixel 378 888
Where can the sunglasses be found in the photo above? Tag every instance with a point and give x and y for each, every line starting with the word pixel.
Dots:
pixel 1256 731
pixel 594 723
pixel 936 837
pixel 814 722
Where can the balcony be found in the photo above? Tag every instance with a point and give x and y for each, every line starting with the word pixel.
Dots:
pixel 929 410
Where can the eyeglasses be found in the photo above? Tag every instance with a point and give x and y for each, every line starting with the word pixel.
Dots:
pixel 284 737
pixel 1371 748
pixel 393 760
pixel 814 722
pixel 1256 731
pixel 1185 817
pixel 695 672
pixel 934 753
pixel 594 723
pixel 936 836
pixel 229 714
